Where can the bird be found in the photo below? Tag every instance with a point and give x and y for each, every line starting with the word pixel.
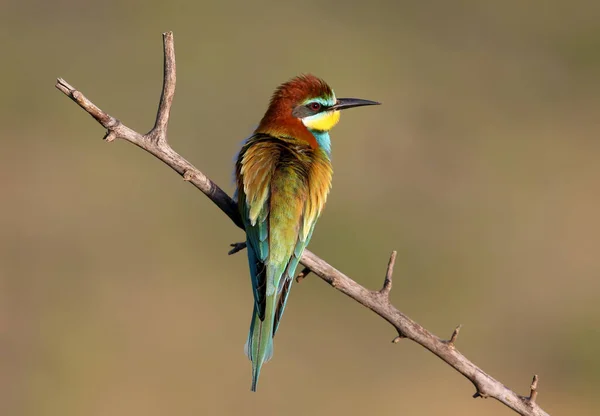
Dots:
pixel 283 176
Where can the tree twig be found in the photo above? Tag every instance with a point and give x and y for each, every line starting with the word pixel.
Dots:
pixel 454 336
pixel 387 282
pixel 155 142
pixel 236 247
pixel 302 274
pixel 533 389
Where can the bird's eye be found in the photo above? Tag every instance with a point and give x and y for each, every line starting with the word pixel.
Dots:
pixel 315 106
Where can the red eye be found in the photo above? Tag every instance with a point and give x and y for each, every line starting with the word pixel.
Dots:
pixel 315 106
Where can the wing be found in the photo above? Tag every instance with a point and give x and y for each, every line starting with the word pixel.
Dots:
pixel 281 194
pixel 254 171
pixel 319 179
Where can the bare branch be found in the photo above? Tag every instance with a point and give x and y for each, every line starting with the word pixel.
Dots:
pixel 479 394
pixel 160 149
pixel 533 389
pixel 454 336
pixel 159 132
pixel 302 274
pixel 387 283
pixel 237 247
pixel 110 136
pixel 110 123
pixel 155 143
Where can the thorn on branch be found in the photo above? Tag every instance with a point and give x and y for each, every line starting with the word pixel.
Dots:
pixel 398 339
pixel 387 283
pixel 533 392
pixel 236 247
pixel 109 136
pixel 454 336
pixel 302 274
pixel 480 394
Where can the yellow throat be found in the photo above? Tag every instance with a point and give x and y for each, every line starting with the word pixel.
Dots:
pixel 323 121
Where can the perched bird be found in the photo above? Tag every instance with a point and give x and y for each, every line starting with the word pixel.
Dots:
pixel 283 175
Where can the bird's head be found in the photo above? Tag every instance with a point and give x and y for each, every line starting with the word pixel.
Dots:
pixel 309 100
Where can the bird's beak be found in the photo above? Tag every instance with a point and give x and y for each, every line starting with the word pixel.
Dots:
pixel 343 103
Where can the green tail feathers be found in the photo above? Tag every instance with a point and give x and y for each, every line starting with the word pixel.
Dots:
pixel 259 347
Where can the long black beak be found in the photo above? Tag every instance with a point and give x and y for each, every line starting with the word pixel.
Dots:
pixel 343 103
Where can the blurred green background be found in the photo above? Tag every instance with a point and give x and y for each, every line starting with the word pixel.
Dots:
pixel 117 296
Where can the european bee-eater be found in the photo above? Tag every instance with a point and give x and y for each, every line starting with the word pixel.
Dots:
pixel 283 175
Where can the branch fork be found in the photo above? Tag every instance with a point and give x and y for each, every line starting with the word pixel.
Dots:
pixel 155 142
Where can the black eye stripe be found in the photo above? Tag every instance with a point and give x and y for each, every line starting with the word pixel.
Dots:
pixel 307 109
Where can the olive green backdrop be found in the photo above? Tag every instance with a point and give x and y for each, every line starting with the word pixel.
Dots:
pixel 117 296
